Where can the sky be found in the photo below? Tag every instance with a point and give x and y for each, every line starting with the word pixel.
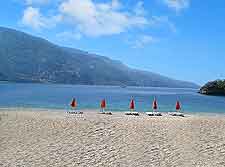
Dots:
pixel 181 39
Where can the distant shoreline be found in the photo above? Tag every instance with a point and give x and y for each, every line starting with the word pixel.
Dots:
pixel 119 86
pixel 95 110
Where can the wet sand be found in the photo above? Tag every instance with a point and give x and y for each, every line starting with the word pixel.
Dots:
pixel 53 138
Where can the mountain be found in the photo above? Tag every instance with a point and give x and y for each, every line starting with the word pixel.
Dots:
pixel 25 58
pixel 213 88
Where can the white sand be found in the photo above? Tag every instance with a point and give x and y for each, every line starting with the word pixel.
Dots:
pixel 57 139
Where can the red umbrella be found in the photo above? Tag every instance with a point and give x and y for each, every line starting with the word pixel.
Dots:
pixel 155 105
pixel 132 105
pixel 178 106
pixel 103 103
pixel 73 103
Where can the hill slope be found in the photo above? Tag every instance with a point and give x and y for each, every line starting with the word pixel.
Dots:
pixel 25 58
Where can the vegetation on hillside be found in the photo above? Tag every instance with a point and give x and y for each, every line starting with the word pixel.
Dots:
pixel 214 88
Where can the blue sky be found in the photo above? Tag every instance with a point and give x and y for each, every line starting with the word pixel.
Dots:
pixel 182 39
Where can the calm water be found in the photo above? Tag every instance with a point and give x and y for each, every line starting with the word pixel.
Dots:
pixel 59 96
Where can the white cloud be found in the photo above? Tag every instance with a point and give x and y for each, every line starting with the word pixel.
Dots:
pixel 139 9
pixel 99 19
pixel 177 5
pixel 34 19
pixel 143 40
pixel 93 19
pixel 116 4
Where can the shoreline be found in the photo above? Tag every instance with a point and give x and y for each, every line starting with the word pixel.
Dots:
pixel 87 110
pixel 119 86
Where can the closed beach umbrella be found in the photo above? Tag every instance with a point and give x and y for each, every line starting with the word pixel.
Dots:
pixel 155 105
pixel 103 104
pixel 132 105
pixel 178 106
pixel 73 103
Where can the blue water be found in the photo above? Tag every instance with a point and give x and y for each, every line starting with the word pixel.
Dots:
pixel 59 97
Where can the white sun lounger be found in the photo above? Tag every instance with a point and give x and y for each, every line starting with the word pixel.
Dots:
pixel 132 113
pixel 106 113
pixel 154 113
pixel 74 112
pixel 102 111
pixel 180 114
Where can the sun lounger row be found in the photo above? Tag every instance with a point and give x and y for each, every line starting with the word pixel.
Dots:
pixel 132 109
pixel 133 113
pixel 155 113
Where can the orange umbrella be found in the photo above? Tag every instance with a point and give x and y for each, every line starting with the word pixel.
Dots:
pixel 73 103
pixel 132 104
pixel 103 104
pixel 178 106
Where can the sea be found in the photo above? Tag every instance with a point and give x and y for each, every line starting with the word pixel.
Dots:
pixel 56 96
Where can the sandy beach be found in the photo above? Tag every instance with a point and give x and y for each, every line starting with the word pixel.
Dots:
pixel 54 138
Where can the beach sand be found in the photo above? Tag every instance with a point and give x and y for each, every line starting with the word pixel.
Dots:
pixel 53 138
